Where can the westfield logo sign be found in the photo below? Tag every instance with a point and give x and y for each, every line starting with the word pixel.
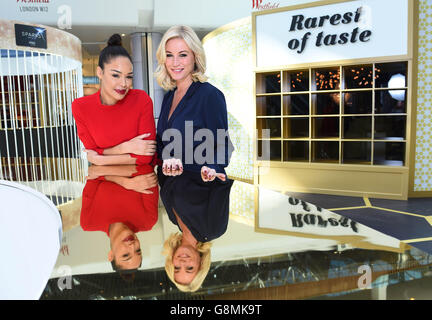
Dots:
pixel 258 5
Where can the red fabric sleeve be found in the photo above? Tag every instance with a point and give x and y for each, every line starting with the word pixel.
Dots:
pixel 82 130
pixel 146 125
pixel 88 195
pixel 144 169
pixel 150 203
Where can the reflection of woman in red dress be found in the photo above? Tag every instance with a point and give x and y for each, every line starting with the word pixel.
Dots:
pixel 121 201
pixel 116 124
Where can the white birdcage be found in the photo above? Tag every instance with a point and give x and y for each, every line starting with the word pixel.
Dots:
pixel 39 145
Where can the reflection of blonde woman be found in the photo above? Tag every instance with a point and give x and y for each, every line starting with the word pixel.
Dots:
pixel 187 263
pixel 200 209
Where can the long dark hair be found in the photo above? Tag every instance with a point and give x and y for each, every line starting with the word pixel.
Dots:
pixel 113 49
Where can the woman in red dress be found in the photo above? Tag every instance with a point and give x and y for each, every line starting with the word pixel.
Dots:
pixel 117 127
pixel 116 124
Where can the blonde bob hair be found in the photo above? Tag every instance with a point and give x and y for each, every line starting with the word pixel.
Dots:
pixel 169 248
pixel 190 37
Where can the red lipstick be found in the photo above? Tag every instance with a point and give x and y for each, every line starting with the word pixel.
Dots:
pixel 129 238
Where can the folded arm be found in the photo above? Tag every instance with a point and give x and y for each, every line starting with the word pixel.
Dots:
pixel 138 150
pixel 141 183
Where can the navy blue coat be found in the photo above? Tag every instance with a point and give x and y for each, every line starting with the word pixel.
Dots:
pixel 202 206
pixel 202 107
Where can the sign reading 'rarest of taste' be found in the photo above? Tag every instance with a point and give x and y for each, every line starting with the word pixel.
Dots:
pixel 300 22
pixel 334 31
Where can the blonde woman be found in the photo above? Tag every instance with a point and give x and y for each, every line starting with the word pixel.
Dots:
pixel 192 109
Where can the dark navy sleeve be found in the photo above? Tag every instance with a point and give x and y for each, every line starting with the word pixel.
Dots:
pixel 215 116
pixel 159 147
pixel 161 126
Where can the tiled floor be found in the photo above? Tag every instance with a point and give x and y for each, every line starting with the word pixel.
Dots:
pixel 409 221
pixel 287 262
pixel 421 206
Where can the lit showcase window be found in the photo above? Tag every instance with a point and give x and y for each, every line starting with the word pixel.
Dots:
pixel 355 114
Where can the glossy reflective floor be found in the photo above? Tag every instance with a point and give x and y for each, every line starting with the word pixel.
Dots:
pixel 277 246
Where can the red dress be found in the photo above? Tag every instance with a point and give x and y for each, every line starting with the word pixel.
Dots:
pixel 100 126
pixel 105 202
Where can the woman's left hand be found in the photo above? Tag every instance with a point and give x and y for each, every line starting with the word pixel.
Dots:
pixel 208 174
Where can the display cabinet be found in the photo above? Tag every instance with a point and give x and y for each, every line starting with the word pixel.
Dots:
pixel 346 114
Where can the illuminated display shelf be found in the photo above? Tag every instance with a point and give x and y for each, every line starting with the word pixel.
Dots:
pixel 354 114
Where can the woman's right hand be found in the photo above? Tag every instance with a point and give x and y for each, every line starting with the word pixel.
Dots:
pixel 172 167
pixel 93 157
pixel 139 146
pixel 208 174
pixel 142 183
